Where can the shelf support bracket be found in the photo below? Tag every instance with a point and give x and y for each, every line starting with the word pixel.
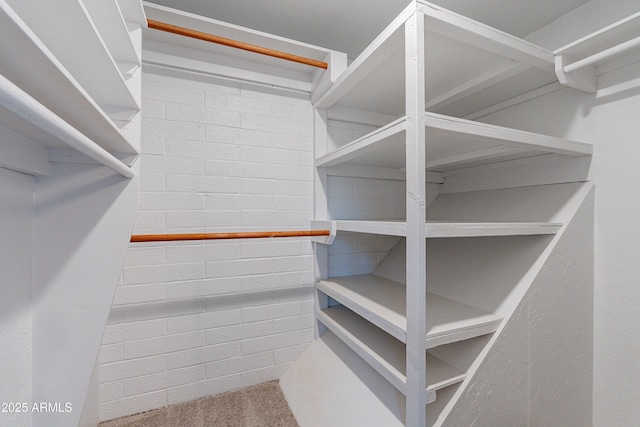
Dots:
pixel 324 225
pixel 583 79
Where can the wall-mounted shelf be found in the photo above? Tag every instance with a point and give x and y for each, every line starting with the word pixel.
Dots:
pixel 22 52
pixel 576 62
pixel 133 12
pixel 26 122
pixel 73 40
pixel 610 36
pixel 110 22
pixel 84 93
pixel 383 303
pixel 177 51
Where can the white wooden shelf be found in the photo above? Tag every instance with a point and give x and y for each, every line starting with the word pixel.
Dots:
pixel 383 303
pixel 503 67
pixel 450 143
pixel 74 40
pixel 388 228
pixel 440 374
pixel 210 58
pixel 133 12
pixel 23 52
pixel 490 229
pixel 380 350
pixel 383 352
pixel 109 20
pixel 441 229
pixel 609 37
pixel 27 127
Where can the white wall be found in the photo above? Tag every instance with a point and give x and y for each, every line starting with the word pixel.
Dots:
pixel 16 250
pixel 610 122
pixel 192 319
pixel 83 218
pixel 617 295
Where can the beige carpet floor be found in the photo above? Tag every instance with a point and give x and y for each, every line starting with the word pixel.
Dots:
pixel 262 405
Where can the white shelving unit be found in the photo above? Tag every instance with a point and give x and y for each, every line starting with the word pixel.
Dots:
pixel 70 93
pixel 415 84
pixel 92 76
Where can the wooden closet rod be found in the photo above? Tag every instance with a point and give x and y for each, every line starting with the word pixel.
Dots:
pixel 217 236
pixel 163 26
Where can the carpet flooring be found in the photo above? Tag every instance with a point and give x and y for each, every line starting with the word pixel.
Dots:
pixel 262 405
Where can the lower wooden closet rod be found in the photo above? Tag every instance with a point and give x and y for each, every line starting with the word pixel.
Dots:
pixel 217 236
pixel 163 26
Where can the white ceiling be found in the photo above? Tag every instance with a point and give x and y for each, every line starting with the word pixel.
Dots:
pixel 350 25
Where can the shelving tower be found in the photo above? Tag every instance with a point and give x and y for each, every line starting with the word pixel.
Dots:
pixel 403 343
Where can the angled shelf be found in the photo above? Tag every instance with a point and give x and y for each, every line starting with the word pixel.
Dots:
pixel 504 67
pixel 383 303
pixel 82 51
pixel 450 143
pixel 22 52
pixel 383 352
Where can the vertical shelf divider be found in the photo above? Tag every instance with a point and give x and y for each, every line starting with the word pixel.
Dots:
pixel 416 219
pixel 321 210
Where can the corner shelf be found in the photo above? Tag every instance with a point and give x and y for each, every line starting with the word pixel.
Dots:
pixel 383 302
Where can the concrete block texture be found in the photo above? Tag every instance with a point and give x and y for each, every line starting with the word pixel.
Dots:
pixel 193 319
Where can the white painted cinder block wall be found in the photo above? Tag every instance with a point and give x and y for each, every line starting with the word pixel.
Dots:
pixel 16 314
pixel 192 319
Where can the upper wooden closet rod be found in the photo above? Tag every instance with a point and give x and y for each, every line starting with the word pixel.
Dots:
pixel 216 236
pixel 163 26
